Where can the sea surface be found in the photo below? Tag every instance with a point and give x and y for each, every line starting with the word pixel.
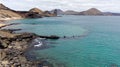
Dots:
pixel 91 41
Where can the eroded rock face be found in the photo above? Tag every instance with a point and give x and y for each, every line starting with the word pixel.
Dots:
pixel 7 13
pixel 12 50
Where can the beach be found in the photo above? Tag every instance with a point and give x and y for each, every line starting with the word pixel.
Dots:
pixel 2 24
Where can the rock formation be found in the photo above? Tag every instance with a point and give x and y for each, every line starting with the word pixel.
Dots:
pixel 49 14
pixel 57 11
pixel 36 10
pixel 12 49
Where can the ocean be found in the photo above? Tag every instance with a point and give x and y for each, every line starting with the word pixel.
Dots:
pixel 91 41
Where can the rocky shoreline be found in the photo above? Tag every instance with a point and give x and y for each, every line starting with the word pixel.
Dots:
pixel 13 47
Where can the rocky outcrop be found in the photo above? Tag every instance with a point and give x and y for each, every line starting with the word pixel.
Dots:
pixel 49 14
pixel 36 10
pixel 35 13
pixel 57 11
pixel 13 48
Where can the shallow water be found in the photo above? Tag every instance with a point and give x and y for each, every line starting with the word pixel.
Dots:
pixel 99 48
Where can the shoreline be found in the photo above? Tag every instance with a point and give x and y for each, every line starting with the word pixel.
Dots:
pixel 13 47
pixel 2 23
pixel 13 18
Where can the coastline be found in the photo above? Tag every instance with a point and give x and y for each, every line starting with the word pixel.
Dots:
pixel 7 19
pixel 13 47
pixel 3 20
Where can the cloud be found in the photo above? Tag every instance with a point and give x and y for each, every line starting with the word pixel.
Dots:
pixel 78 5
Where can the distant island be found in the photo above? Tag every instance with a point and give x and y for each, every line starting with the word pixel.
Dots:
pixel 89 12
pixel 8 14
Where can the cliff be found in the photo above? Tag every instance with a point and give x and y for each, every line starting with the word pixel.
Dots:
pixel 6 13
pixel 4 7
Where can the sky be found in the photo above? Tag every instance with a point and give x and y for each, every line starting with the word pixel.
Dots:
pixel 77 5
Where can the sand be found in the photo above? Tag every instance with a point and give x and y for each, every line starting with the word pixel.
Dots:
pixel 2 24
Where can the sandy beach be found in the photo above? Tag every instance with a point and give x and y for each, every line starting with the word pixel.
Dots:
pixel 1 24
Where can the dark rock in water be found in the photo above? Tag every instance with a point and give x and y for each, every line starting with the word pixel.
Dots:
pixel 49 14
pixel 12 30
pixel 113 65
pixel 50 37
pixel 45 64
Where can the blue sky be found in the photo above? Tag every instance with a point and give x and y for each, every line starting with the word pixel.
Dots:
pixel 78 5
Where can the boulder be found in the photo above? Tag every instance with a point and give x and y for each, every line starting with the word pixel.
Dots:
pixel 22 59
pixel 2 54
pixel 4 44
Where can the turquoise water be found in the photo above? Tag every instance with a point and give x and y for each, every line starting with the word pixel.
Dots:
pixel 99 48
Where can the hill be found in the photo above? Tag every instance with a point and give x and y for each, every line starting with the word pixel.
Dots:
pixel 7 13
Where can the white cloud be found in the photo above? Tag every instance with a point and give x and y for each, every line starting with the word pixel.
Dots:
pixel 78 5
